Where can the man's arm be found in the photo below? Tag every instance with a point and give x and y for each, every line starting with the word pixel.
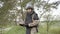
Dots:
pixel 21 23
pixel 35 23
pixel 35 20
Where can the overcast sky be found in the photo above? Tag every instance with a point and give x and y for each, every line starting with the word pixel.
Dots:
pixel 55 12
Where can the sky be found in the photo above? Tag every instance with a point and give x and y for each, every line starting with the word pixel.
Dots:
pixel 55 11
pixel 1 4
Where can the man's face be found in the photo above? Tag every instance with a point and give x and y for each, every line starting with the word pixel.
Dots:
pixel 29 10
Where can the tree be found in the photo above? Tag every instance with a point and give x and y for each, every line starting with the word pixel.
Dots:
pixel 46 8
pixel 4 11
pixel 11 5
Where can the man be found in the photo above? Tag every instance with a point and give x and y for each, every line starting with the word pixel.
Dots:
pixel 31 19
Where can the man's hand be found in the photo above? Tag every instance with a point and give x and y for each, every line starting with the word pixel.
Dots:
pixel 30 25
pixel 21 23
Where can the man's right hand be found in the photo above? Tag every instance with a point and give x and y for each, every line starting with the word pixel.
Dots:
pixel 21 23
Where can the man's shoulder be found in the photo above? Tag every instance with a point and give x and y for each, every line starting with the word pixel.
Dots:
pixel 35 14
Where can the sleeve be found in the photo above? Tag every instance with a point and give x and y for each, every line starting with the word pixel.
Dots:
pixel 35 17
pixel 35 22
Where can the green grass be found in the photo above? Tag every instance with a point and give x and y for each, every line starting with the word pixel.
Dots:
pixel 16 30
pixel 42 30
pixel 55 30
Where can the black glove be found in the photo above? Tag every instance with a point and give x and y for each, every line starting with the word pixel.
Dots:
pixel 21 24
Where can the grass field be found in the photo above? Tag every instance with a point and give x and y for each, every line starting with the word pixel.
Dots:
pixel 21 30
pixel 54 29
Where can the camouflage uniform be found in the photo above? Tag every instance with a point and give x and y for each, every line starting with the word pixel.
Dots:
pixel 32 28
pixel 33 31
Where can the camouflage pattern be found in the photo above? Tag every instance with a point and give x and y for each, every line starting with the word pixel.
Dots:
pixel 31 22
pixel 33 31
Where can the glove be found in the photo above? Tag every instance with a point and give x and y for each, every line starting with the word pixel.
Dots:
pixel 21 23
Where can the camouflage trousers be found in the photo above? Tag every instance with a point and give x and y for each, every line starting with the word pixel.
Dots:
pixel 31 30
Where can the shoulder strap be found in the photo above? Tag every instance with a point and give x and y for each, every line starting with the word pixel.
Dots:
pixel 33 16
